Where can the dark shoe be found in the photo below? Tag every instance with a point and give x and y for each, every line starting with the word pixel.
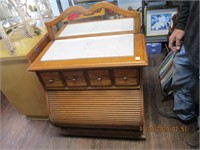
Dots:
pixel 169 113
pixel 193 139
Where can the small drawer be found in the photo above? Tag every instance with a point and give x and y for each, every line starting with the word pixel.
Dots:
pixel 99 78
pixel 74 78
pixel 126 76
pixel 51 79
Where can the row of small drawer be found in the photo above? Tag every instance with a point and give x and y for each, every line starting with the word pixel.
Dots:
pixel 93 78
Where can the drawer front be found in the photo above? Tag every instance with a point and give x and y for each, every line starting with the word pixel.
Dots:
pixel 126 76
pixel 74 78
pixel 51 79
pixel 99 78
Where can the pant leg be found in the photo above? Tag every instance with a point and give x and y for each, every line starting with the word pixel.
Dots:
pixel 185 77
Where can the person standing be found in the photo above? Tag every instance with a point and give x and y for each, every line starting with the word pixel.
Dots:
pixel 184 41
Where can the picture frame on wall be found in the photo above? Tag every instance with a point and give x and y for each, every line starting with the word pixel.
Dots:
pixel 158 20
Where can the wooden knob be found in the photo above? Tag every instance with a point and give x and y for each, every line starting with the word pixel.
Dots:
pixel 51 80
pixel 74 79
pixel 125 78
pixel 99 78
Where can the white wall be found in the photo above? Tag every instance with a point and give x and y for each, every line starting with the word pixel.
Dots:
pixel 55 8
pixel 135 4
pixel 65 4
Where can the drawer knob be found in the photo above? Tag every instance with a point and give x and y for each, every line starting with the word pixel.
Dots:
pixel 74 79
pixel 125 78
pixel 51 80
pixel 99 79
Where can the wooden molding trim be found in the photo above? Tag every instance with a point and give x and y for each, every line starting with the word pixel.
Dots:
pixel 91 11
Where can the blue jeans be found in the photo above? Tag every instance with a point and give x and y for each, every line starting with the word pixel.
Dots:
pixel 185 77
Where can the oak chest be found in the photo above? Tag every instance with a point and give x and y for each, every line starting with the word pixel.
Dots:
pixel 93 78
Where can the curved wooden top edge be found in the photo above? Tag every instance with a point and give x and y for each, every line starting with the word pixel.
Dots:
pixel 92 10
pixel 114 8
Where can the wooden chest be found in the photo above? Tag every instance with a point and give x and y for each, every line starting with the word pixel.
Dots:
pixel 93 81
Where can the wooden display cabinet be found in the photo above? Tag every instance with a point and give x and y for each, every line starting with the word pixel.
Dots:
pixel 92 74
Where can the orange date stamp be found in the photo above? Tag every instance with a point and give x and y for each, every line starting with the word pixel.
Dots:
pixel 164 129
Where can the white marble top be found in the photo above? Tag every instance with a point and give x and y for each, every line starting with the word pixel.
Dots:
pixel 104 26
pixel 91 47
